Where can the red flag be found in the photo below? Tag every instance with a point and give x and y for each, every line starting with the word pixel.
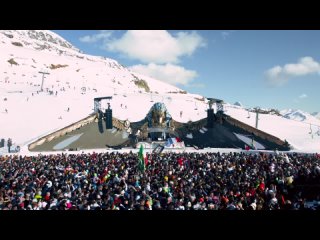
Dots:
pixel 246 147
pixel 178 139
pixel 262 186
pixel 146 160
pixel 282 200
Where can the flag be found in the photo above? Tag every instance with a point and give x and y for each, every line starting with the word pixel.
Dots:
pixel 168 143
pixel 146 160
pixel 253 144
pixel 246 147
pixel 141 156
pixel 174 140
pixel 180 161
pixel 283 201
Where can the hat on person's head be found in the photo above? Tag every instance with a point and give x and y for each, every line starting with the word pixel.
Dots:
pixel 49 184
pixel 196 207
pixel 289 202
pixel 253 205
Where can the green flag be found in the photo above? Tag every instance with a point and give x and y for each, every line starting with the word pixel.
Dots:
pixel 141 164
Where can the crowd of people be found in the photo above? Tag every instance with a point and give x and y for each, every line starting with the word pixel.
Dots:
pixel 170 181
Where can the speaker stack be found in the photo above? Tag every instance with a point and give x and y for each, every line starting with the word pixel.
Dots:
pixel 100 118
pixel 210 118
pixel 108 118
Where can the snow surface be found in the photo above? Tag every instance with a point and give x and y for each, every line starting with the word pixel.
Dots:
pixel 32 115
pixel 297 133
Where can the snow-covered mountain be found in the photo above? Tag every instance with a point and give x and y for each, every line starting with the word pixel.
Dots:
pixel 238 104
pixel 74 79
pixel 316 115
pixel 42 40
pixel 299 115
pixel 294 114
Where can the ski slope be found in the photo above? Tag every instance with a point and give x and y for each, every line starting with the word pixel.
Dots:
pixel 297 133
pixel 74 79
pixel 32 113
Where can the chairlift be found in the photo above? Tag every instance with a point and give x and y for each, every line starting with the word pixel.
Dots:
pixel 83 90
pixel 311 131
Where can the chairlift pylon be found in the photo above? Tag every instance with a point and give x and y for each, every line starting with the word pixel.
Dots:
pixel 310 129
